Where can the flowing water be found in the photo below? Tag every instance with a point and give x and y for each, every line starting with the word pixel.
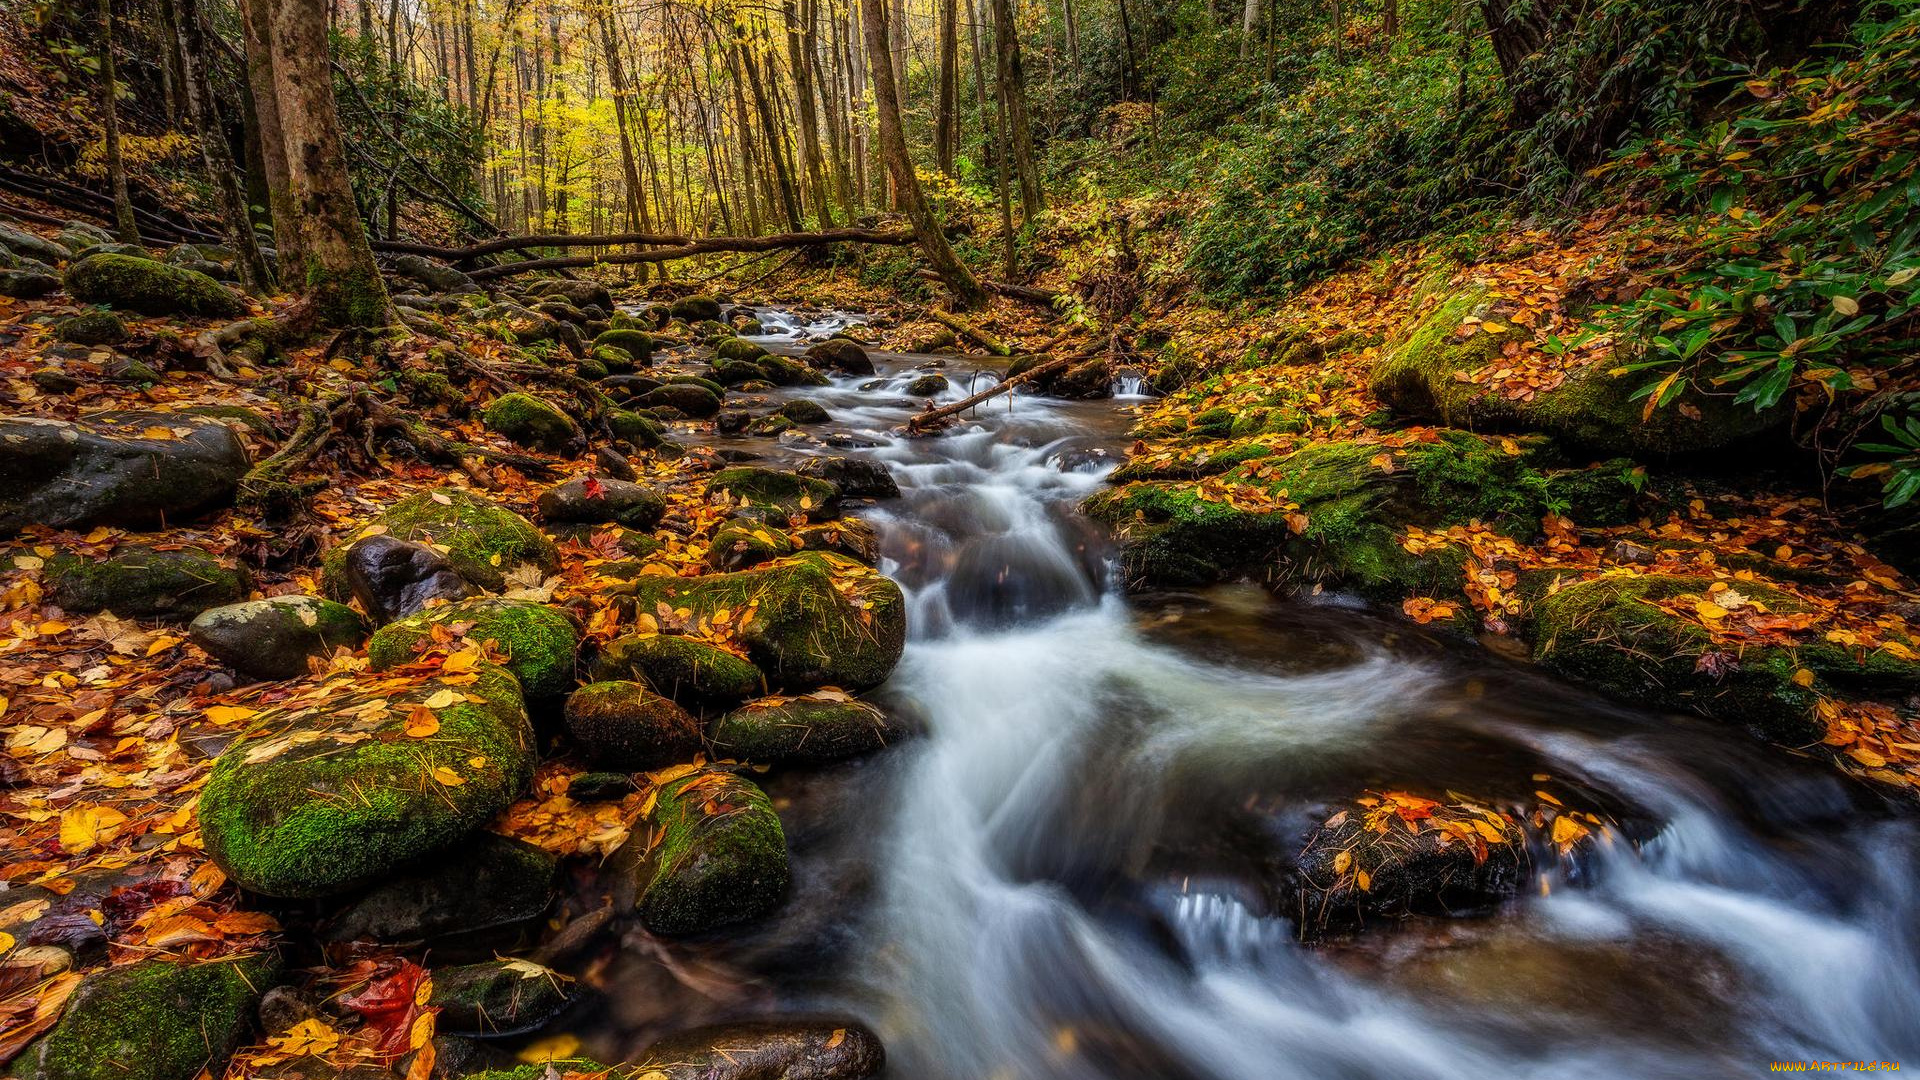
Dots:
pixel 1073 872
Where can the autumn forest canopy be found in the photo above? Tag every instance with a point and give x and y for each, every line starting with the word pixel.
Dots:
pixel 1072 539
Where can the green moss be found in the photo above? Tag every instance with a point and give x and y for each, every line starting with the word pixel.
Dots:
pixel 482 540
pixel 783 492
pixel 800 730
pixel 694 309
pixel 692 673
pixel 708 385
pixel 735 349
pixel 622 724
pixel 314 802
pixel 539 641
pixel 92 328
pixel 140 582
pixel 531 422
pixel 720 856
pixel 786 371
pixel 613 358
pixel 637 344
pixel 155 1020
pixel 1193 466
pixel 546 1069
pixel 150 288
pixel 640 432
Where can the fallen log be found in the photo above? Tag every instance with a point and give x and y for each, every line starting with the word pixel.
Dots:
pixel 971 332
pixel 665 247
pixel 920 420
pixel 1043 297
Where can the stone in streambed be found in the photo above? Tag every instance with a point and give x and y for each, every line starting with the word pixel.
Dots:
pixel 326 791
pixel 692 673
pixel 539 641
pixel 810 730
pixel 485 882
pixel 637 344
pixel 274 638
pixel 840 355
pixel 856 478
pixel 151 1020
pixel 593 500
pixel 710 853
pixel 694 309
pixel 689 399
pixel 927 386
pixel 786 371
pixel 734 349
pixel 143 582
pixel 135 469
pixel 1432 858
pixel 621 724
pixel 498 998
pixel 736 373
pixel 395 578
pixel 790 494
pixel 811 620
pixel 851 537
pixel 741 544
pixel 483 541
pixel 804 411
pixel 150 288
pixel 531 422
pixel 802 1049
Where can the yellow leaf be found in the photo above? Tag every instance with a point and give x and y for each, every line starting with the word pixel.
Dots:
pixel 1846 305
pixel 1864 756
pixel 84 828
pixel 1364 880
pixel 162 644
pixel 227 714
pixel 441 699
pixel 6 942
pixel 306 1039
pixel 421 722
pixel 1342 861
pixel 1566 830
pixel 1709 610
pixel 1803 677
pixel 1493 327
pixel 448 776
pixel 550 1048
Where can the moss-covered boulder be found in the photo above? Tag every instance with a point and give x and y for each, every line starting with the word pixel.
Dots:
pixel 482 540
pixel 1396 853
pixel 136 581
pixel 690 672
pixel 927 386
pixel 694 309
pixel 538 641
pixel 1619 634
pixel 276 637
pixel 613 359
pixel 856 478
pixel 786 493
pixel 688 399
pixel 31 245
pixel 786 371
pixel 484 885
pixel 805 411
pixel 738 545
pixel 137 468
pixel 343 783
pixel 711 853
pixel 151 1020
pixel 623 725
pixel 735 349
pixel 847 536
pixel 1335 513
pixel 150 288
pixel 811 620
pixel 531 422
pixel 498 998
pixel 1593 409
pixel 91 328
pixel 637 344
pixel 637 431
pixel 736 373
pixel 812 730
pixel 600 501
pixel 841 355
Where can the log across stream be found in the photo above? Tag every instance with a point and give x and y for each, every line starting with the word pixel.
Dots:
pixel 1077 871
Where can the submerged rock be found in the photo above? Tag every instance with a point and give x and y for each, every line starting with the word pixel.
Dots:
pixel 150 287
pixel 621 724
pixel 711 853
pixel 484 882
pixel 1397 854
pixel 143 582
pixel 274 638
pixel 810 1049
pixel 811 620
pixel 812 730
pixel 692 673
pixel 152 1020
pixel 394 578
pixel 538 641
pixel 498 998
pixel 329 791
pixel 135 469
pixel 484 542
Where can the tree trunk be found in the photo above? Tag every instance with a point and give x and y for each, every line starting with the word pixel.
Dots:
pixel 1392 19
pixel 263 90
pixel 1013 100
pixel 800 48
pixel 629 167
pixel 124 225
pixel 214 152
pixel 769 128
pixel 893 147
pixel 1073 33
pixel 1248 18
pixel 946 128
pixel 338 275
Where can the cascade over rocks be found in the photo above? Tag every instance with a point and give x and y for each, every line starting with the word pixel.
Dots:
pixel 327 791
pixel 136 469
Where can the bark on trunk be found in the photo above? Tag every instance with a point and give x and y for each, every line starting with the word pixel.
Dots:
pixel 946 127
pixel 124 226
pixel 215 154
pixel 1013 100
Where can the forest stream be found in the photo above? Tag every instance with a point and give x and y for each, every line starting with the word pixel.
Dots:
pixel 1072 873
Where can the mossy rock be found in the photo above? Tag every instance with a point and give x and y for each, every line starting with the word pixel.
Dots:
pixel 710 854
pixel 483 541
pixel 768 426
pixel 927 386
pixel 1611 634
pixel 738 545
pixel 142 582
pixel 275 638
pixel 329 792
pixel 808 730
pixel 783 492
pixel 694 309
pixel 692 673
pixel 689 399
pixel 737 373
pixel 92 328
pixel 637 344
pixel 786 371
pixel 804 411
pixel 1353 513
pixel 735 349
pixel 595 500
pixel 811 620
pixel 1348 873
pixel 150 288
pixel 152 1020
pixel 484 887
pixel 637 431
pixel 630 542
pixel 621 724
pixel 531 422
pixel 1592 409
pixel 498 998
pixel 539 641
pixel 847 536
pixel 1192 466
pixel 616 360
pixel 546 1070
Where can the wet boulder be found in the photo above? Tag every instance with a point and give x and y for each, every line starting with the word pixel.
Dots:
pixel 824 727
pixel 1086 381
pixel 537 640
pixel 484 883
pixel 29 245
pixel 927 386
pixel 531 422
pixel 735 349
pixel 151 1020
pixel 688 399
pixel 637 431
pixel 692 673
pixel 28 282
pixel 799 1049
pixel 709 854
pixel 276 637
pixel 136 581
pixel 844 536
pixel 616 360
pixel 694 309
pixel 1392 854
pixel 392 578
pixel 134 469
pixel 839 354
pixel 150 288
pixel 811 620
pixel 738 545
pixel 623 725
pixel 856 478
pixel 734 373
pixel 596 501
pixel 786 493
pixel 437 277
pixel 805 411
pixel 482 541
pixel 91 328
pixel 342 784
pixel 576 292
pixel 498 998
pixel 637 344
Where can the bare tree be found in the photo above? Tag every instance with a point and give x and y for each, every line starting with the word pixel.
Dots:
pixel 124 225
